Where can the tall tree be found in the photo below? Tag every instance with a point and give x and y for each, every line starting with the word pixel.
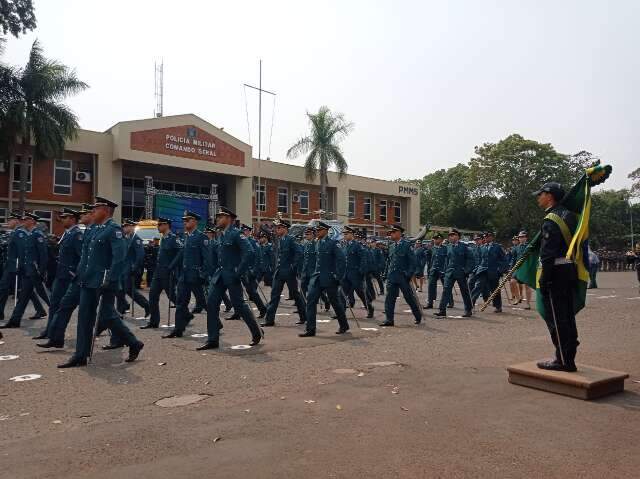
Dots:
pixel 16 16
pixel 514 167
pixel 36 114
pixel 634 176
pixel 322 147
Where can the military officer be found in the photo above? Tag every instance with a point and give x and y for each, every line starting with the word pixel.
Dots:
pixel 161 281
pixel 31 267
pixel 476 253
pixel 213 233
pixel 69 254
pixel 308 258
pixel 326 278
pixel 457 269
pixel 357 266
pixel 69 302
pixel 421 261
pixel 234 257
pixel 493 263
pixel 285 273
pixel 266 259
pixel 134 266
pixel 98 285
pixel 436 271
pixel 368 277
pixel 250 278
pixel 195 258
pixel 380 261
pixel 558 277
pixel 15 250
pixel 400 268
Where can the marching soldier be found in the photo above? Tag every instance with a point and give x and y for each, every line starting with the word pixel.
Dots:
pixel 31 267
pixel 285 273
pixel 326 278
pixel 134 264
pixel 214 243
pixel 15 250
pixel 458 267
pixel 266 259
pixel 308 259
pixel 368 277
pixel 421 261
pixel 492 264
pixel 436 272
pixel 356 269
pixel 380 262
pixel 232 262
pixel 250 278
pixel 558 277
pixel 400 268
pixel 69 302
pixel 476 255
pixel 70 252
pixel 99 282
pixel 161 281
pixel 195 258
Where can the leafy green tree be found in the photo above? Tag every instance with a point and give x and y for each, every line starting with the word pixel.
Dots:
pixel 322 147
pixel 35 114
pixel 16 16
pixel 635 186
pixel 513 168
pixel 610 225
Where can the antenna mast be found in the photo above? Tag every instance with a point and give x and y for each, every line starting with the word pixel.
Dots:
pixel 159 88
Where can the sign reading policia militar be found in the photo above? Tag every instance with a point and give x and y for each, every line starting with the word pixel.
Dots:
pixel 187 142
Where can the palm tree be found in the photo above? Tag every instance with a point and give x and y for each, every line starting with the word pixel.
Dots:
pixel 33 110
pixel 323 148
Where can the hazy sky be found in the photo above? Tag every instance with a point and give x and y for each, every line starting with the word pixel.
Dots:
pixel 424 82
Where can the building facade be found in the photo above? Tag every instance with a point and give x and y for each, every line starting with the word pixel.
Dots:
pixel 162 166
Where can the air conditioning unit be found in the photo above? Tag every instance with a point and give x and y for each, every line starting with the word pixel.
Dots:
pixel 3 167
pixel 296 198
pixel 83 176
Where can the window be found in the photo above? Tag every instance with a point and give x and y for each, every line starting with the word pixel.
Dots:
pixel 16 173
pixel 45 217
pixel 283 200
pixel 133 198
pixel 3 215
pixel 62 177
pixel 383 211
pixel 397 217
pixel 367 208
pixel 352 206
pixel 304 202
pixel 261 197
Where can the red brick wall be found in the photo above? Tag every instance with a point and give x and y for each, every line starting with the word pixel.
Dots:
pixel 294 208
pixel 42 179
pixel 359 219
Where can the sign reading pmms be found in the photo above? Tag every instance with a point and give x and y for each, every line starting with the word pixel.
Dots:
pixel 409 190
pixel 187 142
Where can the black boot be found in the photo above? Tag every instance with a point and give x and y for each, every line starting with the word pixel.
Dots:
pixel 73 363
pixel 343 330
pixel 173 334
pixel 429 306
pixel 255 340
pixel 9 325
pixel 51 344
pixel 149 326
pixel 208 345
pixel 307 334
pixel 38 316
pixel 370 312
pixel 42 335
pixel 108 347
pixel 387 324
pixel 233 317
pixel 134 351
pixel 441 314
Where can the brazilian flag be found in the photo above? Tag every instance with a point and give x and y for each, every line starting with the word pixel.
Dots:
pixel 577 200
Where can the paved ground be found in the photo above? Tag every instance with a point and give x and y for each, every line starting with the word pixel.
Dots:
pixel 282 410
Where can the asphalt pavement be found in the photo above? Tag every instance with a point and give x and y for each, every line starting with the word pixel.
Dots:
pixel 405 402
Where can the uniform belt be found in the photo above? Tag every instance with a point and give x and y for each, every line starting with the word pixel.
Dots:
pixel 558 261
